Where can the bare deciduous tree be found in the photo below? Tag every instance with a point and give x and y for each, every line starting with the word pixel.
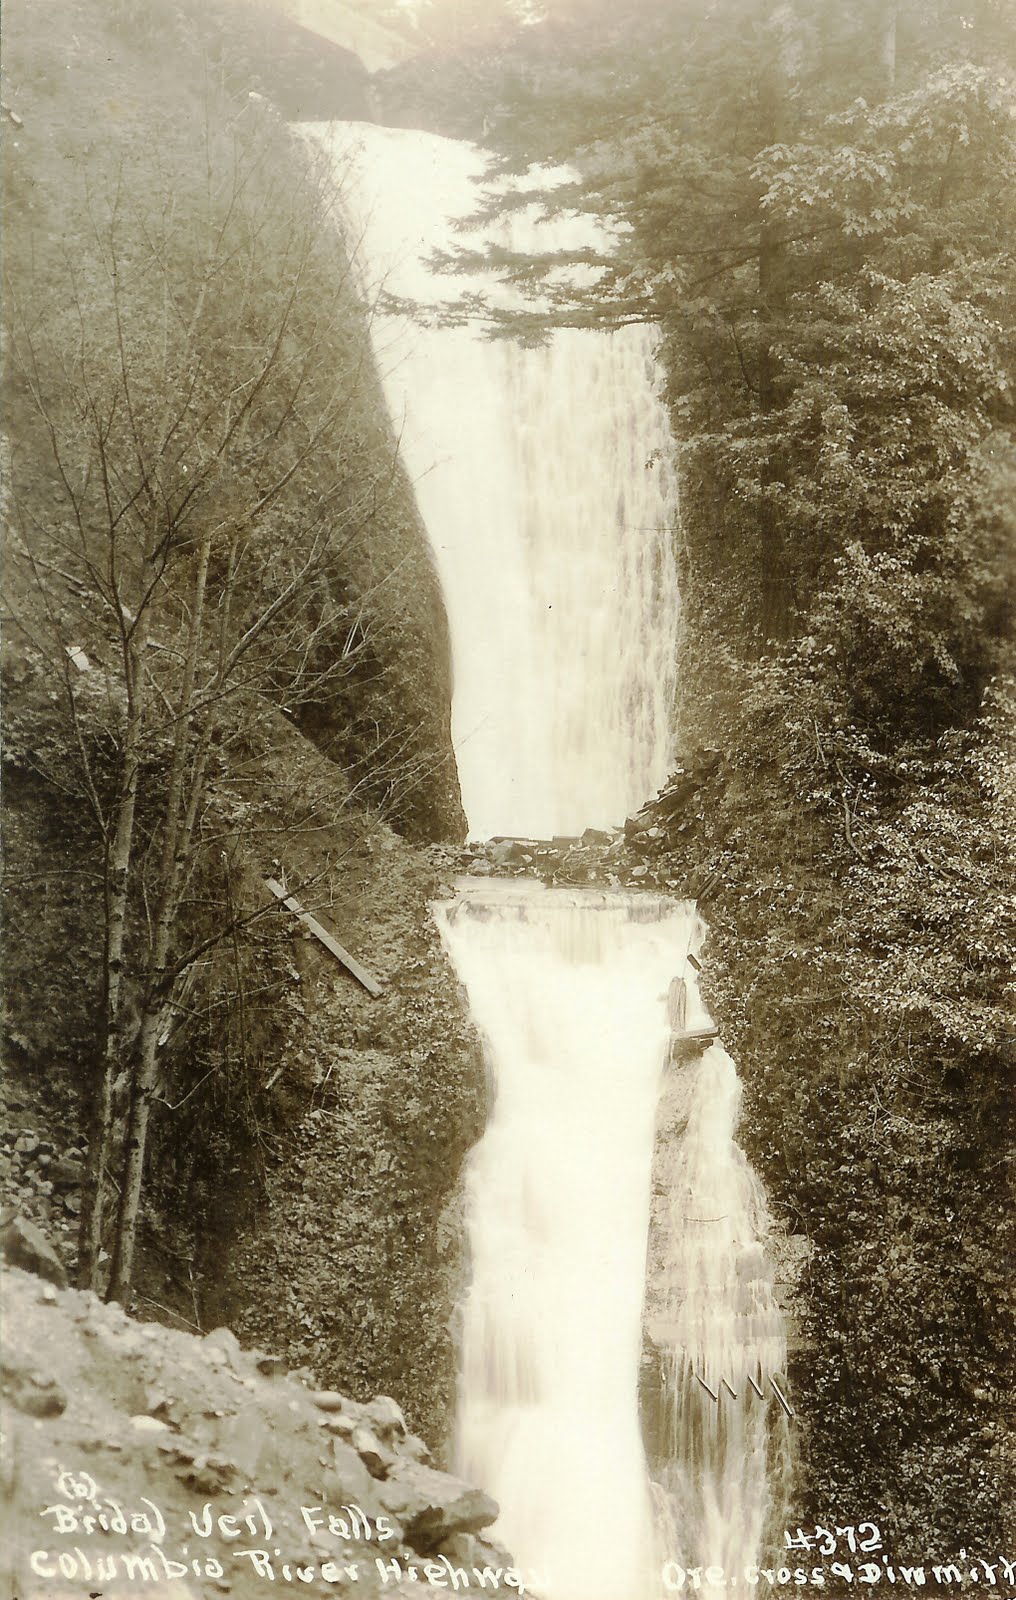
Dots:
pixel 191 375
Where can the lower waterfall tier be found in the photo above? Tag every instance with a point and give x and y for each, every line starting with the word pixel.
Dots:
pixel 579 996
pixel 719 1440
pixel 569 990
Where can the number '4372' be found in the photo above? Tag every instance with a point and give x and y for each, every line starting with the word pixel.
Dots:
pixel 825 1541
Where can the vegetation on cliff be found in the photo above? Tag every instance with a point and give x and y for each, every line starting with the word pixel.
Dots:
pixel 226 655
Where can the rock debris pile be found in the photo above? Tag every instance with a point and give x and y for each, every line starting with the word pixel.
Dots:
pixel 40 1176
pixel 138 1457
pixel 659 848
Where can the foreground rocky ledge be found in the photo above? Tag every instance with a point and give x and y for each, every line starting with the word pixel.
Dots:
pixel 141 1460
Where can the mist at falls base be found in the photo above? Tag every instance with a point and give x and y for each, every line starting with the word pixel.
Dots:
pixel 545 480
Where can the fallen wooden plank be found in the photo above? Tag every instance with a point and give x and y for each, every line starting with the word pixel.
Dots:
pixel 342 955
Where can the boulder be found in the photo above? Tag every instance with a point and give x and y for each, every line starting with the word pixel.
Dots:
pixel 23 1245
pixel 340 1424
pixel 31 1392
pixel 222 1345
pixel 349 1480
pixel 433 1505
pixel 271 1366
pixel 376 1457
pixel 596 836
pixel 414 1447
pixel 148 1427
pixel 384 1415
pixel 637 825
pixel 67 1172
pixel 330 1400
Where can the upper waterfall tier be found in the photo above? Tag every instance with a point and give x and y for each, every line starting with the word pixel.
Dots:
pixel 545 478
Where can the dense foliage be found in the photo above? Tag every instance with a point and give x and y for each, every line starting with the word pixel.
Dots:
pixel 815 206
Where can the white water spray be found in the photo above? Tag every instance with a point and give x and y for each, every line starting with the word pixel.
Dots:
pixel 722 1445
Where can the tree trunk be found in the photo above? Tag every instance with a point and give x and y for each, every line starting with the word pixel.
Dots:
pixel 147 1069
pixel 179 815
pixel 122 1270
pixel 116 894
pixel 888 47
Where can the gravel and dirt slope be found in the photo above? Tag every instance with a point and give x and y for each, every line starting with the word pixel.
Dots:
pixel 138 1459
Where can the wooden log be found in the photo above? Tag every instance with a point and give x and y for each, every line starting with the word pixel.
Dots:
pixel 352 966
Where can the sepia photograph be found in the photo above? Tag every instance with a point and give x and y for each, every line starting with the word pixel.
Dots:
pixel 508 808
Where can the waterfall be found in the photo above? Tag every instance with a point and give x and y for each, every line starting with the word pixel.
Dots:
pixel 545 480
pixel 546 483
pixel 569 991
pixel 722 1445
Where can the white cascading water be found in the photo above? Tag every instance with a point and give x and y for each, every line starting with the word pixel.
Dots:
pixel 545 478
pixel 546 483
pixel 569 990
pixel 724 1451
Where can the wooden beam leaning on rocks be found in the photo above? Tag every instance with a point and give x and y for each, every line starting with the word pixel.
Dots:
pixel 369 982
